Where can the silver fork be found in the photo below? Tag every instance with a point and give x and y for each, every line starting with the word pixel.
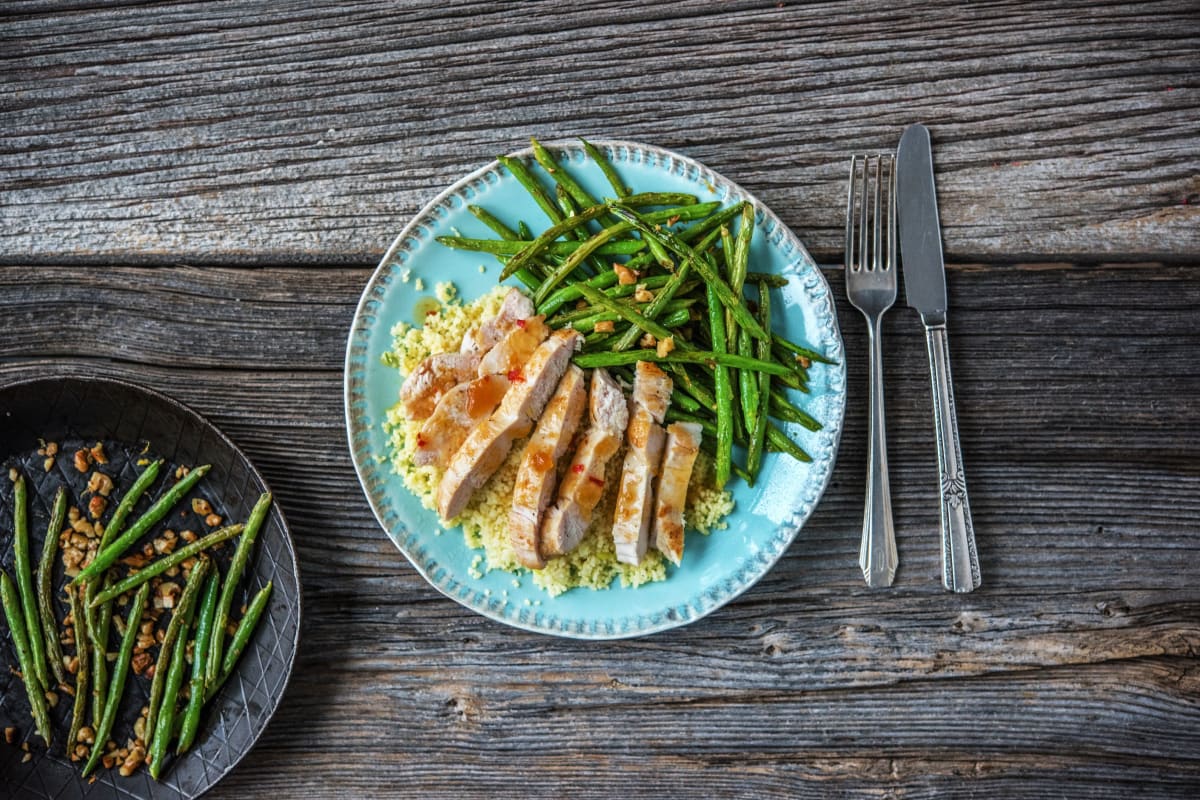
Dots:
pixel 871 288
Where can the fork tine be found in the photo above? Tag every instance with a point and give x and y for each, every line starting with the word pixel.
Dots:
pixel 877 221
pixel 850 214
pixel 891 251
pixel 863 261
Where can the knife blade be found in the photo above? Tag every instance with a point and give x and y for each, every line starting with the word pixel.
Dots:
pixel 920 228
pixel 925 290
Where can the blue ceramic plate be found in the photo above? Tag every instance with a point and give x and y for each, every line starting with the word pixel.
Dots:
pixel 715 568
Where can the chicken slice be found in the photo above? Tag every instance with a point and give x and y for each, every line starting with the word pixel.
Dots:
pixel 583 483
pixel 515 306
pixel 631 520
pixel 488 444
pixel 515 349
pixel 432 378
pixel 457 413
pixel 538 474
pixel 679 456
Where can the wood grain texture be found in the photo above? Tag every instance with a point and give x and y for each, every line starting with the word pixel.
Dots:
pixel 1073 671
pixel 282 133
pixel 192 196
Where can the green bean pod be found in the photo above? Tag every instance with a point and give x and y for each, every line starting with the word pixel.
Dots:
pixel 176 629
pixel 535 189
pixel 109 555
pixel 724 390
pixel 16 625
pixel 83 672
pixel 703 357
pixel 45 587
pixel 161 565
pixel 610 172
pixel 23 568
pixel 510 247
pixel 100 624
pixel 116 522
pixel 200 648
pixel 165 721
pixel 254 523
pixel 120 673
pixel 758 430
pixel 245 630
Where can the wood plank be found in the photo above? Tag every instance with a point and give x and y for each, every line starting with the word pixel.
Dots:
pixel 286 133
pixel 1073 670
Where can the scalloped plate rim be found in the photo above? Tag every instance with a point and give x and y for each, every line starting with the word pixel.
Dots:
pixel 350 392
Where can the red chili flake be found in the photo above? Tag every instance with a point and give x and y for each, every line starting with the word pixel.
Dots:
pixel 516 376
pixel 420 440
pixel 431 312
pixel 577 469
pixel 521 324
pixel 595 480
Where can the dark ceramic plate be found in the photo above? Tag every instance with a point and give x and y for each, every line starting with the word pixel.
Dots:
pixel 135 423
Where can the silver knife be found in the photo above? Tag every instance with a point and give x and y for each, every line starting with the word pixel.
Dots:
pixel 925 290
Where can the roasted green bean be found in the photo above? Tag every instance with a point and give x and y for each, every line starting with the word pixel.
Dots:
pixel 15 616
pixel 45 583
pixel 159 566
pixel 120 673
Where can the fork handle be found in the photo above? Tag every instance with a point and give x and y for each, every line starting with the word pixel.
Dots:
pixel 960 562
pixel 877 556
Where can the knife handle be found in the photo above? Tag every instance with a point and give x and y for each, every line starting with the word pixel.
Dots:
pixel 960 562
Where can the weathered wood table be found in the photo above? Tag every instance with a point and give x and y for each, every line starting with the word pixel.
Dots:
pixel 192 197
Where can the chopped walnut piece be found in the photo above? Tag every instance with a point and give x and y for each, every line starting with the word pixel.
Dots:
pixel 81 525
pixel 137 755
pixel 625 276
pixel 97 453
pixel 212 520
pixel 181 472
pixel 82 461
pixel 100 484
pixel 10 734
pixel 13 474
pixel 96 506
pixel 643 295
pixel 201 506
pixel 51 448
pixel 140 662
pixel 665 347
pixel 86 735
pixel 48 464
pixel 188 536
pixel 79 753
pixel 604 326
pixel 805 361
pixel 169 591
pixel 52 699
pixel 648 340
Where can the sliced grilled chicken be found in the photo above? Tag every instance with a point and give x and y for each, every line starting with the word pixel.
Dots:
pixel 514 350
pixel 679 456
pixel 456 415
pixel 648 405
pixel 583 483
pixel 515 306
pixel 538 474
pixel 432 378
pixel 487 445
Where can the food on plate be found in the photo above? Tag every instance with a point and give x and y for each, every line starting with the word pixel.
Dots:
pixel 650 297
pixel 644 442
pixel 679 457
pixel 537 476
pixel 153 577
pixel 584 482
